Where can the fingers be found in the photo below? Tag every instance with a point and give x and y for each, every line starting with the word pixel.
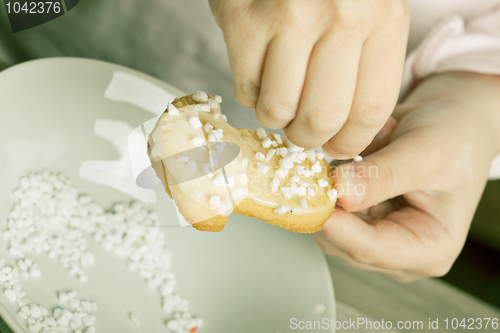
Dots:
pixel 330 249
pixel 400 242
pixel 246 61
pixel 312 95
pixel 381 139
pixel 246 51
pixel 407 164
pixel 377 89
pixel 328 90
pixel 282 80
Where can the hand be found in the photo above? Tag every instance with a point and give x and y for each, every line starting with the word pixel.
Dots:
pixel 326 71
pixel 435 165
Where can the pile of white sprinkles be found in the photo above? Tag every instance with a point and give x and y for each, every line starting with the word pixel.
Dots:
pixel 51 217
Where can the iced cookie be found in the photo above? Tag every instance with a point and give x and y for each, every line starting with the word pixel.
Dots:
pixel 211 169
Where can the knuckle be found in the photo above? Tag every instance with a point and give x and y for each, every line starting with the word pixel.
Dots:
pixel 346 18
pixel 361 256
pixel 287 22
pixel 393 12
pixel 277 112
pixel 354 16
pixel 297 16
pixel 396 8
pixel 228 13
pixel 357 15
pixel 371 117
pixel 322 121
pixel 289 18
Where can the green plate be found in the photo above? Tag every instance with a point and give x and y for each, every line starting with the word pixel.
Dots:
pixel 72 116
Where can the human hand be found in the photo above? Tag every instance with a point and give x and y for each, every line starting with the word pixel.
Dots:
pixel 435 164
pixel 326 71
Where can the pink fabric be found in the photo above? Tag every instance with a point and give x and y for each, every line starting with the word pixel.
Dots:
pixel 455 45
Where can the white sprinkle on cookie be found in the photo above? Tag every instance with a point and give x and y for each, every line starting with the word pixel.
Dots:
pixel 172 110
pixel 195 122
pixel 200 96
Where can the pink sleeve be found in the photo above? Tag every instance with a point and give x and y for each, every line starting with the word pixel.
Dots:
pixel 455 45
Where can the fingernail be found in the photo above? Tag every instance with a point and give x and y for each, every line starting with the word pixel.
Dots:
pixel 386 130
pixel 333 154
pixel 353 188
pixel 340 156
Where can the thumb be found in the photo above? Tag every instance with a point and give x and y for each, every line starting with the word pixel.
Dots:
pixel 403 166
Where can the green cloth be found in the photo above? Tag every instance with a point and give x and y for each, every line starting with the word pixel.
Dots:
pixel 486 224
pixel 3 66
pixel 4 328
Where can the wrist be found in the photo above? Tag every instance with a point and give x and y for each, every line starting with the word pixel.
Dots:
pixel 483 91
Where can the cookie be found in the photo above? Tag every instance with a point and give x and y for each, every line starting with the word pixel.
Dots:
pixel 211 169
